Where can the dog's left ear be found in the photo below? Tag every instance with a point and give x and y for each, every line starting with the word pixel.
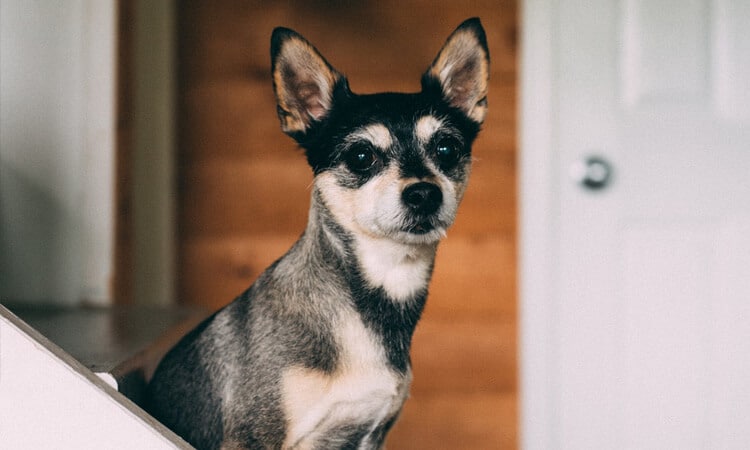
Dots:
pixel 303 81
pixel 462 69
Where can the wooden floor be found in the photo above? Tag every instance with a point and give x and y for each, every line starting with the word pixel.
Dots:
pixel 244 189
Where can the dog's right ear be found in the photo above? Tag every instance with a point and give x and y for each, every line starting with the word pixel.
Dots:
pixel 461 70
pixel 303 81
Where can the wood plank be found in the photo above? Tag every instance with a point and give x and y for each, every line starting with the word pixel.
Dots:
pixel 474 277
pixel 241 197
pixel 468 355
pixel 216 270
pixel 231 38
pixel 232 118
pixel 451 421
pixel 489 205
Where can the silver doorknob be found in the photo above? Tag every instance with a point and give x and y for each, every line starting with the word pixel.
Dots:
pixel 592 172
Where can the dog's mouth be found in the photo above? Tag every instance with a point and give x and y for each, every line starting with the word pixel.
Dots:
pixel 421 228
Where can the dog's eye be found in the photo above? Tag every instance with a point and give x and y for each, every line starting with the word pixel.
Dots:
pixel 361 158
pixel 448 152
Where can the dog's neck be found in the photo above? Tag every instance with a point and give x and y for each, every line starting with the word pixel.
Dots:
pixel 401 270
pixel 388 280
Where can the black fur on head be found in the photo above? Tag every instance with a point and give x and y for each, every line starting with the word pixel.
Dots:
pixel 316 106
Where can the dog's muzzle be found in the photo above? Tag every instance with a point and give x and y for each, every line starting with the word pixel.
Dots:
pixel 423 200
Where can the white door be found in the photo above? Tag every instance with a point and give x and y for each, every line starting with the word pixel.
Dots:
pixel 635 290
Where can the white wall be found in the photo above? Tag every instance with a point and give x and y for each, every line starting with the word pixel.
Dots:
pixel 57 85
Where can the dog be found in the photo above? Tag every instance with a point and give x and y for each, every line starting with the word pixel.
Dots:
pixel 315 353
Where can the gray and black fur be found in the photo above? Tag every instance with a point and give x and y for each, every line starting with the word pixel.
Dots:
pixel 315 354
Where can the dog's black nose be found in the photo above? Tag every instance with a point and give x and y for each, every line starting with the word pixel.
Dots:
pixel 422 198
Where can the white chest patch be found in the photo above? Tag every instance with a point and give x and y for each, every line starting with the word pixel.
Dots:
pixel 362 392
pixel 401 270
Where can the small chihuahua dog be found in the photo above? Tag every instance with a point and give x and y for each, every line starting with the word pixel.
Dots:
pixel 315 354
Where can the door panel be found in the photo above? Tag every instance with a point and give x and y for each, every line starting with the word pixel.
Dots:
pixel 665 50
pixel 732 58
pixel 664 374
pixel 648 290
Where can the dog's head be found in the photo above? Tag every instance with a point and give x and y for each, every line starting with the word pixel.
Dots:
pixel 386 165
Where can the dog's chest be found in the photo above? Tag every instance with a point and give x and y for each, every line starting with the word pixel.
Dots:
pixel 358 398
pixel 402 271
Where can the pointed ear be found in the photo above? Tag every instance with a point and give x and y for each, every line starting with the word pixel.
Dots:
pixel 302 80
pixel 461 70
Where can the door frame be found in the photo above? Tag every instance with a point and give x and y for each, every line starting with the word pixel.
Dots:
pixel 538 224
pixel 145 247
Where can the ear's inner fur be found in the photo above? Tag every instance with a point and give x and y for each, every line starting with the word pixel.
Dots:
pixel 462 70
pixel 303 81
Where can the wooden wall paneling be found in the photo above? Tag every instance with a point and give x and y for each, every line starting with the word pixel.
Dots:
pixel 244 189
